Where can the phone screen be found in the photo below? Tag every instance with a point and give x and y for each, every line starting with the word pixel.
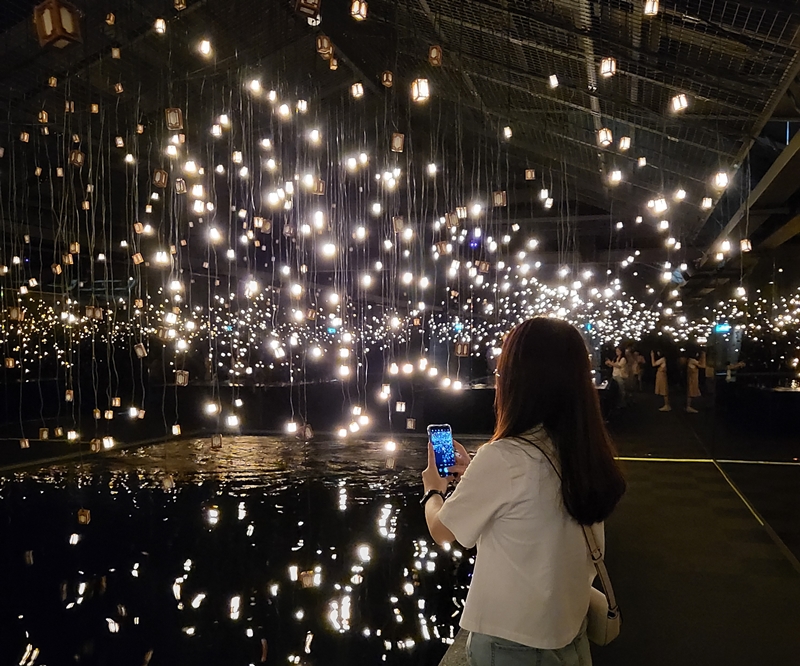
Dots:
pixel 441 437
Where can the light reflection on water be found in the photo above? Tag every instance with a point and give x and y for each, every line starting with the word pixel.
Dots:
pixel 265 549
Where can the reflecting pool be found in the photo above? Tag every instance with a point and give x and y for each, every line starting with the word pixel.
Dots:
pixel 261 551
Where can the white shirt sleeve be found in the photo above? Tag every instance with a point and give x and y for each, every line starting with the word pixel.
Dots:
pixel 483 493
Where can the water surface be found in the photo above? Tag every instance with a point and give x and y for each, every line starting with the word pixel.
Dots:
pixel 263 551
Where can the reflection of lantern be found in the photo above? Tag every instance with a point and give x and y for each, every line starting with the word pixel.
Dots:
pixel 397 223
pixel 311 314
pixel 138 303
pixel 24 137
pixel 57 23
pixel 387 79
pixel 398 141
pixel 96 413
pixel 182 377
pixel 137 259
pixel 44 433
pixel 77 158
pixel 176 429
pixel 174 118
pixel 179 4
pixel 69 395
pixel 160 178
pixel 400 407
pixel 118 88
pixel 96 445
pixel 216 441
pixel 500 198
pixel 530 174
pixel 16 314
pixel 108 415
pixel 411 424
pixel 138 227
pixel 56 268
pixel 483 266
pixel 180 186
pixel 461 212
pixel 58 431
pixel 140 350
pixel 319 187
pixel 441 247
pixel 42 116
pixel 451 220
pixel 462 349
pixel 435 56
pixel 116 401
pixel 333 63
pixel 24 443
pixel 10 362
pixel 84 516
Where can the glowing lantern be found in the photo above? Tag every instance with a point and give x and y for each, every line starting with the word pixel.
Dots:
pixel 608 67
pixel 500 198
pixel 358 10
pixel 604 137
pixel 435 56
pixel 160 178
pixel 420 91
pixel 57 23
pixel 387 79
pixel 357 90
pixel 398 142
pixel 530 174
pixel 462 349
pixel 324 46
pixel 308 8
pixel 174 118
pixel 746 245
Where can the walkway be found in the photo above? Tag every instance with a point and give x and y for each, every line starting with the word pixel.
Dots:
pixel 703 554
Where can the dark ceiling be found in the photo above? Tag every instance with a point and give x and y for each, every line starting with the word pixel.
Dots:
pixel 736 62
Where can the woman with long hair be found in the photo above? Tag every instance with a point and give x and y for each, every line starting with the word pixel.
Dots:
pixel 693 365
pixel 529 595
pixel 657 360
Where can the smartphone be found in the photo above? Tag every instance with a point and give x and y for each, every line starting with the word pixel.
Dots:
pixel 441 437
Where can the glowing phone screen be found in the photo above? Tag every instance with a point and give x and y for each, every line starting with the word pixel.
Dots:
pixel 441 437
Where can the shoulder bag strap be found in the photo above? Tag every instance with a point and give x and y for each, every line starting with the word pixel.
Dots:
pixel 591 543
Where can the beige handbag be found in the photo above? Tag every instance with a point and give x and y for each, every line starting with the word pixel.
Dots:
pixel 604 618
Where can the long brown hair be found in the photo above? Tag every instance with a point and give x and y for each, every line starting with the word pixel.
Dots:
pixel 544 378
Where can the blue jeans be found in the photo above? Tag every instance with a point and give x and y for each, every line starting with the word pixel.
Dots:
pixel 483 650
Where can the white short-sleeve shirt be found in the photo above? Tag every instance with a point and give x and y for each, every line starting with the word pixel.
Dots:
pixel 533 571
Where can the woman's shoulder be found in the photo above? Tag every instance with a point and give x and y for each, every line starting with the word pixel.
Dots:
pixel 531 443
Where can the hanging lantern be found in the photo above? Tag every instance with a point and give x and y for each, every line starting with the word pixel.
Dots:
pixel 174 118
pixel 358 10
pixel 140 350
pixel 411 424
pixel 462 349
pixel 604 137
pixel 182 377
pixel 307 7
pixel 530 174
pixel 94 108
pixel 57 23
pixel 451 220
pixel 650 7
pixel 324 46
pixel 400 407
pixel 441 247
pixel 679 102
pixel 420 90
pixel 398 142
pixel 176 429
pixel 461 212
pixel 115 53
pixel 69 395
pixel 435 56
pixel 160 178
pixel 52 82
pixel 56 268
pixel 357 90
pixel 397 223
pixel 319 188
pixel 84 516
pixel 500 198
pixel 180 186
pixel 108 414
pixel 43 116
pixel 608 67
pixel 333 63
pixel 24 443
pixel 77 158
pixel 96 445
pixel 74 247
pixel 10 362
pixel 116 401
pixel 746 245
pixel 483 266
pixel 180 5
pixel 138 303
pixel 387 79
pixel 216 441
pixel 624 143
pixel 111 19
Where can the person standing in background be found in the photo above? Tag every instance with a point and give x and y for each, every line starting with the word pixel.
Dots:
pixel 693 366
pixel 619 374
pixel 658 361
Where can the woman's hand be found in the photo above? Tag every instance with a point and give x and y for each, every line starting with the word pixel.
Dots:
pixel 462 462
pixel 430 475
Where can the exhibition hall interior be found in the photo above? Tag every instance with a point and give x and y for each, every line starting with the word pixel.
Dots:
pixel 251 249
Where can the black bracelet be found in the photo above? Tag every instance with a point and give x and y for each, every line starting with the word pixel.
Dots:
pixel 430 494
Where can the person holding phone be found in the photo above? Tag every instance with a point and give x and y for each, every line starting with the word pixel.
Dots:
pixel 529 595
